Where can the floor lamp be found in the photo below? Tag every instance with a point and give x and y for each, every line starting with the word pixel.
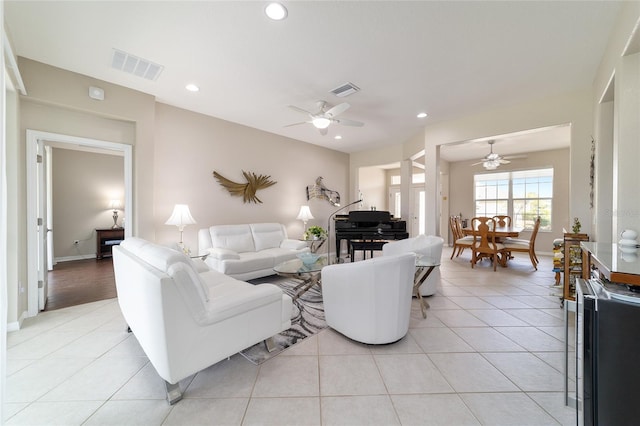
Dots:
pixel 329 231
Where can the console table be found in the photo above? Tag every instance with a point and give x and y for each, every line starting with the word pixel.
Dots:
pixel 106 239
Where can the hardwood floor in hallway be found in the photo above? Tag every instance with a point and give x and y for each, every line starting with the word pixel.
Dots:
pixel 80 281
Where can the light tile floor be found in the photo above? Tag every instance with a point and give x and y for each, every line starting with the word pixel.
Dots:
pixel 489 352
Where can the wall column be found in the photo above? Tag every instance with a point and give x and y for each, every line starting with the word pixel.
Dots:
pixel 406 176
pixel 431 185
pixel 603 196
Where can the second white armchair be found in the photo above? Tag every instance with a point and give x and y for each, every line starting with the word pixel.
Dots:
pixel 370 301
pixel 429 248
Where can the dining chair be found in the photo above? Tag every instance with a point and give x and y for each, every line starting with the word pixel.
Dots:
pixel 503 220
pixel 484 241
pixel 524 246
pixel 460 241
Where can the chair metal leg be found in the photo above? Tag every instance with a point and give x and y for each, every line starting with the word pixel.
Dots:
pixel 270 344
pixel 173 392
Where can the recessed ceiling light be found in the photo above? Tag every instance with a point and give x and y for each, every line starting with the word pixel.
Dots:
pixel 192 88
pixel 338 137
pixel 276 11
pixel 422 115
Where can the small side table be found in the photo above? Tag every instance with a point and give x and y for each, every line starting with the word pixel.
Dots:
pixel 314 245
pixel 424 267
pixel 106 239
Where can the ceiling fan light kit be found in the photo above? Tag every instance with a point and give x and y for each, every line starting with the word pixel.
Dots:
pixel 321 122
pixel 276 11
pixel 324 117
pixel 492 160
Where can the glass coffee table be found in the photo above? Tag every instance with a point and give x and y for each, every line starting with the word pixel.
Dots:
pixel 308 274
pixel 424 267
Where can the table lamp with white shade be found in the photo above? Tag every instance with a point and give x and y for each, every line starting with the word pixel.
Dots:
pixel 304 215
pixel 180 217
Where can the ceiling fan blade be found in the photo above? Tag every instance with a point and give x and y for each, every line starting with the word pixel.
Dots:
pixel 324 131
pixel 478 163
pixel 501 161
pixel 514 157
pixel 295 124
pixel 298 109
pixel 337 110
pixel 345 122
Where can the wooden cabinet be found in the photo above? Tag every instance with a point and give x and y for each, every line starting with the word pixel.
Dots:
pixel 573 265
pixel 106 239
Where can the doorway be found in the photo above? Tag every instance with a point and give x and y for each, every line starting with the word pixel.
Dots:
pixel 38 230
pixel 417 209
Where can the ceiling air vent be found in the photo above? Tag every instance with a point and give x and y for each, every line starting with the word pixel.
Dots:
pixel 345 89
pixel 131 64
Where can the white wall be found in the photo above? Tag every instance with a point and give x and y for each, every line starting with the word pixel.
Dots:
pixel 190 146
pixel 373 187
pixel 617 124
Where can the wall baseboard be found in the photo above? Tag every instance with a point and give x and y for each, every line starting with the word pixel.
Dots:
pixel 71 258
pixel 16 325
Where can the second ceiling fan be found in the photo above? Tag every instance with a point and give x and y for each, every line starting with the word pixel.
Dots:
pixel 492 160
pixel 323 117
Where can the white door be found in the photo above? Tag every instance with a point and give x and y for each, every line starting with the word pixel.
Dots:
pixel 49 205
pixel 42 224
pixel 395 202
pixel 418 211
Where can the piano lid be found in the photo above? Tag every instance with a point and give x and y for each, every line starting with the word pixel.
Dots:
pixel 369 216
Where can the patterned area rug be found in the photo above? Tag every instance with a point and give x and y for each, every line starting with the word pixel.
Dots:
pixel 307 319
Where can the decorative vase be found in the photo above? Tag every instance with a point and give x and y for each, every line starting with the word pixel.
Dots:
pixel 629 234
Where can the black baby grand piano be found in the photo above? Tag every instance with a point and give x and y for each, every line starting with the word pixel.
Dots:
pixel 368 225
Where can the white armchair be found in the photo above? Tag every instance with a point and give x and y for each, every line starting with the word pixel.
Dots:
pixel 428 247
pixel 187 318
pixel 370 301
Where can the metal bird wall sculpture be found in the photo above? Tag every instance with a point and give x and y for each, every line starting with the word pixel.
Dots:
pixel 320 191
pixel 246 190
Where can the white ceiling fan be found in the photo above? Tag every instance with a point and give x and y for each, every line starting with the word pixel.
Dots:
pixel 492 160
pixel 323 117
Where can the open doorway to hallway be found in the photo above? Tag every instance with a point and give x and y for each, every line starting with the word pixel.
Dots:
pixel 84 176
pixel 86 191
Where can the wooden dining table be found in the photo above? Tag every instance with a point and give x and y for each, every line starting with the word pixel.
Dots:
pixel 500 232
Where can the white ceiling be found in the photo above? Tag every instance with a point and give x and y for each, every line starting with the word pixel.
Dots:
pixel 448 58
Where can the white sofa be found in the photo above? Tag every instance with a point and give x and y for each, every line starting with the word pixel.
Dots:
pixel 187 317
pixel 247 251
pixel 370 301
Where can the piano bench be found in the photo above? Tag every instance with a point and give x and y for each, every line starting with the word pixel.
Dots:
pixel 364 246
